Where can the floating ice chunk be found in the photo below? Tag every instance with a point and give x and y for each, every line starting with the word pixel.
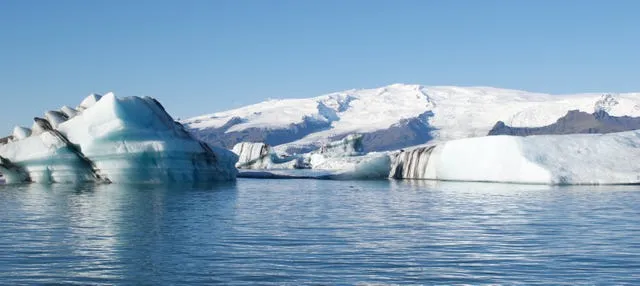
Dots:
pixel 261 156
pixel 351 145
pixel 252 155
pixel 20 133
pixel 372 165
pixel 335 155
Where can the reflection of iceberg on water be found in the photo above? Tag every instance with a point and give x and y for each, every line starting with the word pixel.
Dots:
pixel 107 139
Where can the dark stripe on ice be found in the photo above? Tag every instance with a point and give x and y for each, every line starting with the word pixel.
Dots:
pixel 45 125
pixel 7 164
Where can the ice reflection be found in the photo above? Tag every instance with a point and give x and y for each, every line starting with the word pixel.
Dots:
pixel 93 233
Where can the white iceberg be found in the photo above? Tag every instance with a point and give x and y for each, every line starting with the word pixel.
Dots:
pixel 545 159
pixel 350 145
pixel 261 156
pixel 255 155
pixel 107 139
pixel 341 159
pixel 345 159
pixel 369 166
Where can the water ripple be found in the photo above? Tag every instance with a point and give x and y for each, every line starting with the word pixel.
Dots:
pixel 293 232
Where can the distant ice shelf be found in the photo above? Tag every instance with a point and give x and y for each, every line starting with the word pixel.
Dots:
pixel 112 140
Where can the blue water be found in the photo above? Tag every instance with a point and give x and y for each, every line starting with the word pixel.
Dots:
pixel 322 232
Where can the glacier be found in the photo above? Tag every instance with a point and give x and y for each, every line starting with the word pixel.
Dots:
pixel 397 116
pixel 111 140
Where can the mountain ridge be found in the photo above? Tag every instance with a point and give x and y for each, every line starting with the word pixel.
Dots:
pixel 574 122
pixel 396 115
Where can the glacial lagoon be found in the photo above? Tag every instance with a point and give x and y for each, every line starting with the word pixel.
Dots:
pixel 289 232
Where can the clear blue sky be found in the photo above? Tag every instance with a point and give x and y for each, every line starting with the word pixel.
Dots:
pixel 198 57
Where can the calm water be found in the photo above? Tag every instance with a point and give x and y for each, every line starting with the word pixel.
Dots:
pixel 320 232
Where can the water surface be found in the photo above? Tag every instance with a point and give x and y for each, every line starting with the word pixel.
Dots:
pixel 322 232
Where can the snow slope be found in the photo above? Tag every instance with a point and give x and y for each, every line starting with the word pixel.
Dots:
pixel 397 116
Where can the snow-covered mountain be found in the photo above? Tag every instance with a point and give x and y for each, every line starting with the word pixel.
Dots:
pixel 397 116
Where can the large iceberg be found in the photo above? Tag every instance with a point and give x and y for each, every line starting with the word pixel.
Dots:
pixel 109 139
pixel 544 159
pixel 541 159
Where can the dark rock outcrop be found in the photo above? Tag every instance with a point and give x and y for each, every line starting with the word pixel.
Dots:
pixel 408 132
pixel 574 122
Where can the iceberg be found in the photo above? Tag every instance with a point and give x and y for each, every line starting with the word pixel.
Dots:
pixel 346 159
pixel 261 156
pixel 350 145
pixel 340 159
pixel 541 159
pixel 374 165
pixel 574 159
pixel 257 155
pixel 111 140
